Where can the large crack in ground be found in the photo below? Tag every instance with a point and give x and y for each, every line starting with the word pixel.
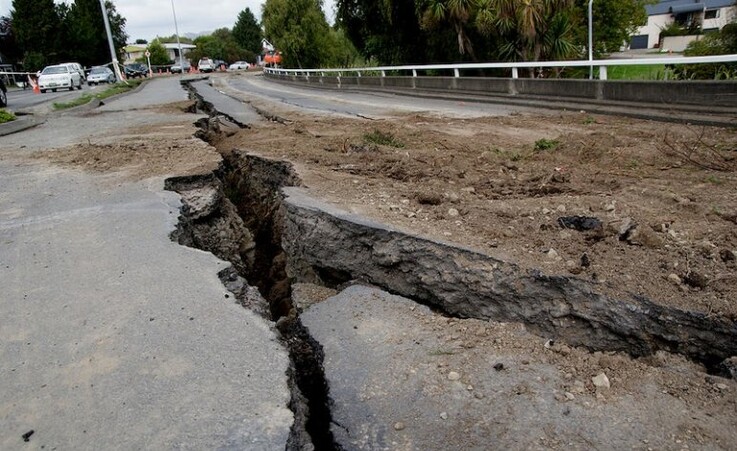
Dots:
pixel 240 214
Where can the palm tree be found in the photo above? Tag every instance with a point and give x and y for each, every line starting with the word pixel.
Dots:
pixel 530 30
pixel 457 13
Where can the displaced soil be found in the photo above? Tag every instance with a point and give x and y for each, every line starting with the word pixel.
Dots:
pixel 662 195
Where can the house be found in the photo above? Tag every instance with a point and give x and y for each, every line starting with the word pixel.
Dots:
pixel 134 52
pixel 706 15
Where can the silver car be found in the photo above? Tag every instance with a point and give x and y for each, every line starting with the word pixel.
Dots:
pixel 100 75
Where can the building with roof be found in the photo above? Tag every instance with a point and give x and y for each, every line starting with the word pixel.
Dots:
pixel 133 52
pixel 707 15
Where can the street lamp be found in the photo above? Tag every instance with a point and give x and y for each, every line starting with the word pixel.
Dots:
pixel 113 53
pixel 179 44
pixel 591 40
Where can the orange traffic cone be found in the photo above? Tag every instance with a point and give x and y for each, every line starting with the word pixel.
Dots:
pixel 34 85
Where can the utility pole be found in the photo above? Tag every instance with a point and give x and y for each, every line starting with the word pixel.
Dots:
pixel 179 44
pixel 113 53
pixel 591 39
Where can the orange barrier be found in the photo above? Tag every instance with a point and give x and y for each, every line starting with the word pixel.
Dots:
pixel 34 85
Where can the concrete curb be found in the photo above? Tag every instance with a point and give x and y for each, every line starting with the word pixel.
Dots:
pixel 19 124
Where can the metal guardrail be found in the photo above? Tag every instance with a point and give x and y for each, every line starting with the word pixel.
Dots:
pixel 515 66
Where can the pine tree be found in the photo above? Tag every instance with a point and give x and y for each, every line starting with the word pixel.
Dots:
pixel 247 32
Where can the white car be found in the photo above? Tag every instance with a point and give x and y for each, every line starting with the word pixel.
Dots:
pixel 100 74
pixel 78 67
pixel 239 65
pixel 59 77
pixel 206 65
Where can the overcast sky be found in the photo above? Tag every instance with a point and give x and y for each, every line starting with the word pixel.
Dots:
pixel 147 19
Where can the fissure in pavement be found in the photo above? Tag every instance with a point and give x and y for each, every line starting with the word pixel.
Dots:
pixel 274 235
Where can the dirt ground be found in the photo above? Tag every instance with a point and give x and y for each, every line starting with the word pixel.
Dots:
pixel 662 195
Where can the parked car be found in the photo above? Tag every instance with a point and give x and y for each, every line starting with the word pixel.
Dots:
pixel 3 94
pixel 77 67
pixel 59 76
pixel 178 68
pixel 206 65
pixel 239 65
pixel 100 74
pixel 136 70
pixel 220 64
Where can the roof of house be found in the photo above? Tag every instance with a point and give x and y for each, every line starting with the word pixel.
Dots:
pixel 174 45
pixel 134 48
pixel 683 6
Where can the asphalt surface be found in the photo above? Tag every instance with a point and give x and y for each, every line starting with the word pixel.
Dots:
pixel 357 104
pixel 114 337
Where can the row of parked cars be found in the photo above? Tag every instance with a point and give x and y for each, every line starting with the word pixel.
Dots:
pixel 72 75
pixel 208 65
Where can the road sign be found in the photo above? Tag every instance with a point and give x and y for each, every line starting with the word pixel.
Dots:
pixel 147 53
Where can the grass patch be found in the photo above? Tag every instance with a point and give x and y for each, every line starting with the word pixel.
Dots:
pixel 546 144
pixel 117 88
pixel 383 139
pixel 714 180
pixel 646 72
pixel 6 116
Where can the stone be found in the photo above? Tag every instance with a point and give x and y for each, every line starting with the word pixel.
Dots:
pixel 727 255
pixel 398 426
pixel 553 255
pixel 429 198
pixel 570 396
pixel 722 386
pixel 644 236
pixel 454 198
pixel 600 381
pixel 444 415
pixel 696 279
pixel 561 208
pixel 618 227
pixel 546 211
pixel 610 206
pixel 729 366
pixel 452 212
pixel 559 397
pixel 673 278
pixel 453 376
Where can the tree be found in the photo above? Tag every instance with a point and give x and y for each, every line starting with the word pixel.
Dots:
pixel 247 32
pixel 298 28
pixel 457 13
pixel 173 38
pixel 159 55
pixel 615 22
pixel 36 29
pixel 8 45
pixel 220 45
pixel 531 30
pixel 141 41
pixel 388 31
pixel 87 37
